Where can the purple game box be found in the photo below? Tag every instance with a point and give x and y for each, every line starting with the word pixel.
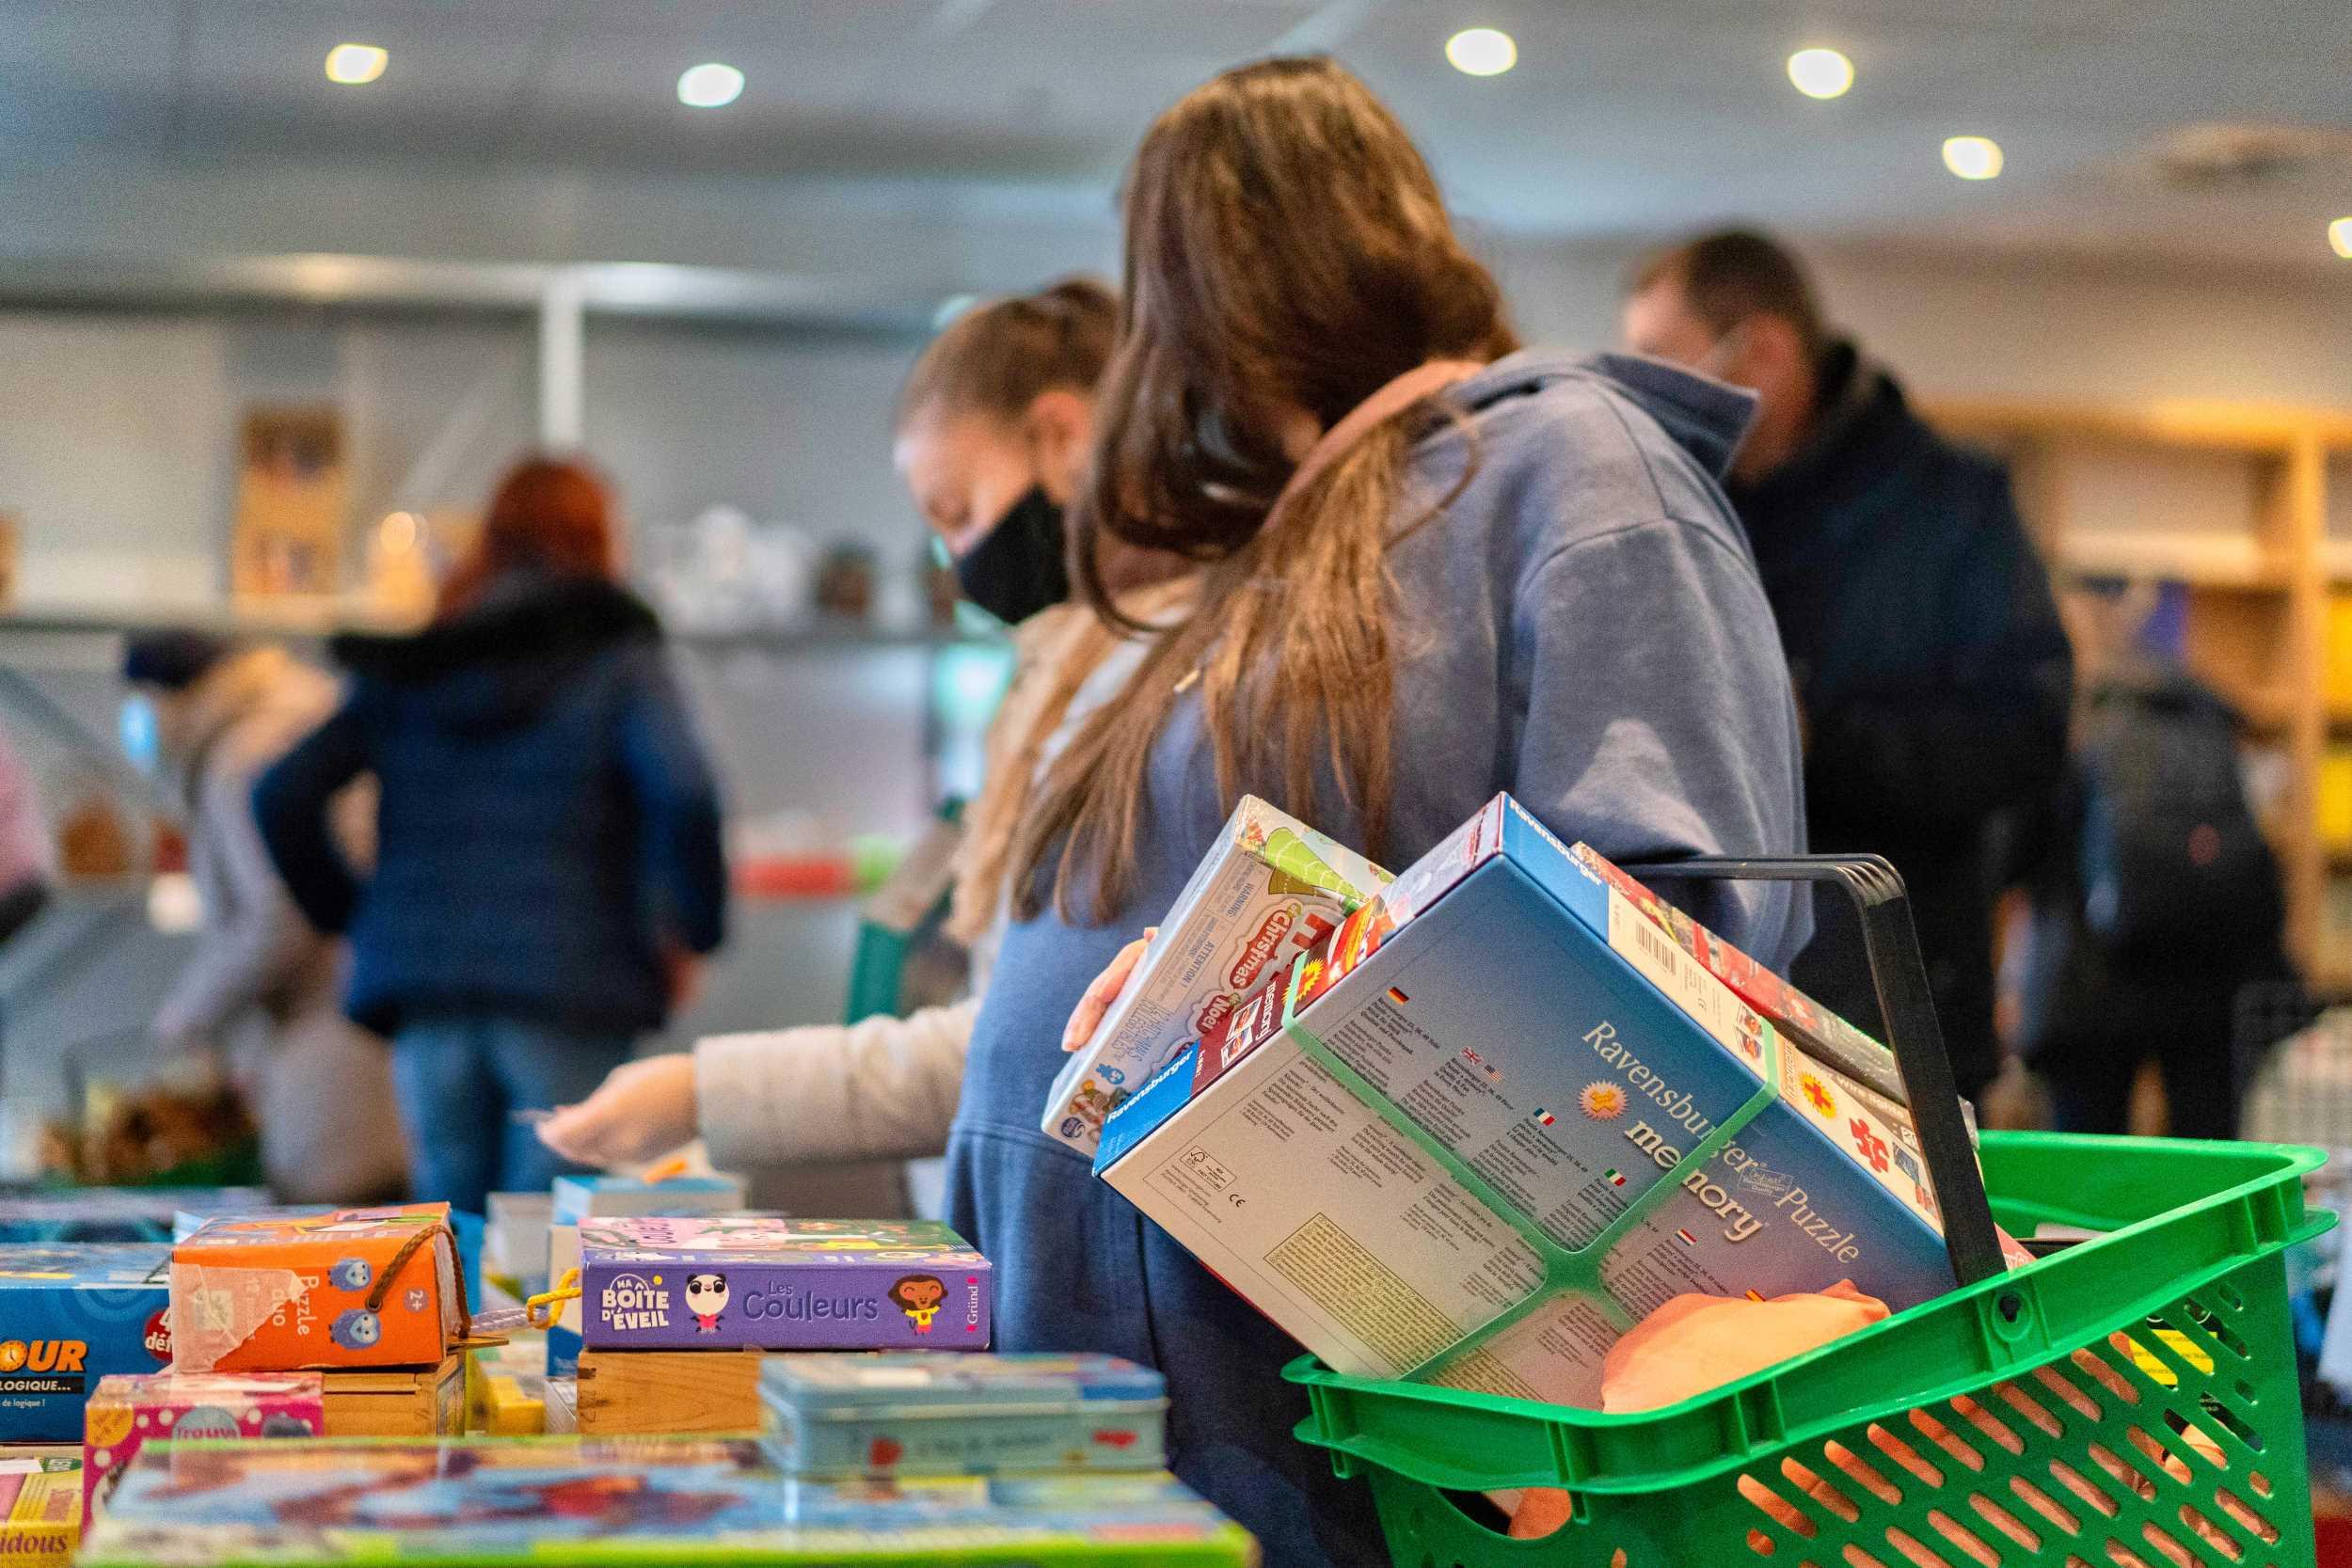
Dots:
pixel 719 1281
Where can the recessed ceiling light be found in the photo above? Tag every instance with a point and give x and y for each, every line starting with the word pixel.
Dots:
pixel 1972 157
pixel 711 85
pixel 355 65
pixel 2339 237
pixel 1482 51
pixel 1821 72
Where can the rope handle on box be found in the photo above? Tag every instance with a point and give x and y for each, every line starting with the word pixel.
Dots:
pixel 408 1249
pixel 565 1289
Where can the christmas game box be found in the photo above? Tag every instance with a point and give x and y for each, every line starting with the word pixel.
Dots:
pixel 716 1282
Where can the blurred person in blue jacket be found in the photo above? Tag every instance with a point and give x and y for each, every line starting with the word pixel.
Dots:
pixel 1432 567
pixel 1931 665
pixel 548 836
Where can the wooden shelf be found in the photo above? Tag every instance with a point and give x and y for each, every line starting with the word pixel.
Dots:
pixel 2268 710
pixel 2230 500
pixel 320 620
pixel 2214 561
pixel 2213 426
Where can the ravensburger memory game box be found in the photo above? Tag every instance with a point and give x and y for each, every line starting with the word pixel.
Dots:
pixel 1270 889
pixel 1521 1012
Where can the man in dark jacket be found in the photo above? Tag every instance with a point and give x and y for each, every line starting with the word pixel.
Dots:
pixel 1929 662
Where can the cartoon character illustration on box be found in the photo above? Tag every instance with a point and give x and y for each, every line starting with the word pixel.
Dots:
pixel 706 1297
pixel 1091 1106
pixel 919 1296
pixel 204 1421
pixel 356 1329
pixel 352 1274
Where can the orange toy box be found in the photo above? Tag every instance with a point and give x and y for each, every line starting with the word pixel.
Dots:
pixel 352 1288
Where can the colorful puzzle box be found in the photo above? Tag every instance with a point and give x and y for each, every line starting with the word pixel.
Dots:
pixel 349 1288
pixel 714 1282
pixel 587 1504
pixel 41 1507
pixel 68 1316
pixel 1270 889
pixel 1504 1116
pixel 126 1414
pixel 915 1414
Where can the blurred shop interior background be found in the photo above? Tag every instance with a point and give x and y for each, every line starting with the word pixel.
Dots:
pixel 266 340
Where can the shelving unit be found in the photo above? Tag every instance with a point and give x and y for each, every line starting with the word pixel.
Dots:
pixel 320 621
pixel 2231 503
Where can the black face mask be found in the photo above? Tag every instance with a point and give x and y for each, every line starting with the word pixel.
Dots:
pixel 1019 568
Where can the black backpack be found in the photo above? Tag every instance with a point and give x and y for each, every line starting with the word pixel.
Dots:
pixel 2175 870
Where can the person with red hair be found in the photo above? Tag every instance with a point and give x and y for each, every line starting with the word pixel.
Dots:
pixel 548 836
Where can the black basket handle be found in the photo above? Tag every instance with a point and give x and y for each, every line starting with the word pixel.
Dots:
pixel 1900 976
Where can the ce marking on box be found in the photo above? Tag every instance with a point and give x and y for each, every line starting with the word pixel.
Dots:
pixel 1210 1170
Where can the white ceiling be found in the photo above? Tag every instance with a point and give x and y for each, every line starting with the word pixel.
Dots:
pixel 1622 118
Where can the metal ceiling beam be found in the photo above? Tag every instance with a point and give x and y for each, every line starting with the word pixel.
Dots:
pixel 635 288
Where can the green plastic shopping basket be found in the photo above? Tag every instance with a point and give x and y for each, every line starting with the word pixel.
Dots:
pixel 2127 1402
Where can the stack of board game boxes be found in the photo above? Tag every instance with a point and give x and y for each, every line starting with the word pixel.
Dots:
pixel 370 1299
pixel 84 1306
pixel 578 1199
pixel 1513 1105
pixel 677 1310
pixel 722 1321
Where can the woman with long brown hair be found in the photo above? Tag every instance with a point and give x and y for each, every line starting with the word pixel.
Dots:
pixel 547 837
pixel 1432 568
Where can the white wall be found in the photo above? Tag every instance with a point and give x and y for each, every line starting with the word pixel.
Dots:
pixel 2061 329
pixel 118 432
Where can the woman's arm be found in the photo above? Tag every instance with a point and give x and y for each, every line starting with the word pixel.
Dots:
pixel 291 812
pixel 884 1089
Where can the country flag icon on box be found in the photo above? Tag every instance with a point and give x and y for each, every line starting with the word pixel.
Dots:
pixel 1615 1178
pixel 1545 1117
pixel 1687 1238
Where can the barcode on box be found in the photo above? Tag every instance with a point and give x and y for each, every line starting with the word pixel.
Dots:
pixel 1672 970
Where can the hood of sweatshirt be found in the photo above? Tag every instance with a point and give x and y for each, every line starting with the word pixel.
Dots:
pixel 1704 418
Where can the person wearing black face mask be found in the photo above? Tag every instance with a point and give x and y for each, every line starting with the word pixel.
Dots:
pixel 993 429
pixel 1018 568
pixel 992 433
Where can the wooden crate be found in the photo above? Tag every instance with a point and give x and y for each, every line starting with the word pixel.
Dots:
pixel 412 1401
pixel 644 1393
